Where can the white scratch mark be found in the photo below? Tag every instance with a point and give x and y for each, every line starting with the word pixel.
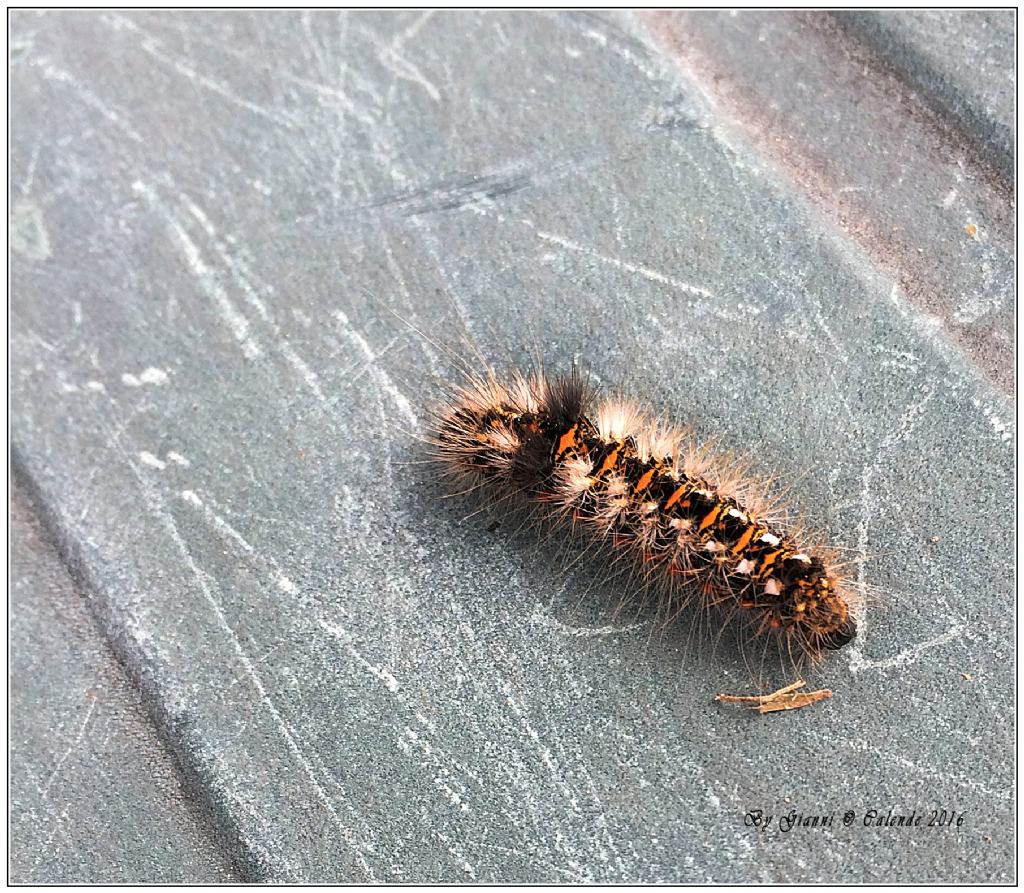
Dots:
pixel 27 231
pixel 30 174
pixel 178 459
pixel 329 96
pixel 279 577
pixel 953 778
pixel 96 386
pixel 542 617
pixel 383 379
pixel 236 321
pixel 152 375
pixel 899 359
pixel 405 744
pixel 978 304
pixel 74 745
pixel 286 584
pixel 153 47
pixel 345 637
pixel 53 73
pixel 624 53
pixel 855 652
pixel 823 325
pixel 149 459
pixel 858 662
pixel 394 58
pixel 646 272
pixel 460 860
pixel 239 272
pixel 998 425
pixel 929 771
pixel 546 757
pixel 42 342
pixel 862 525
pixel 932 330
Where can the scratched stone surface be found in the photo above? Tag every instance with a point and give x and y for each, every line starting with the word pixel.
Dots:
pixel 94 797
pixel 930 48
pixel 904 184
pixel 226 231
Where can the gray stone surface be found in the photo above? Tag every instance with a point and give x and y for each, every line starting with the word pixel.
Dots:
pixel 838 121
pixel 957 58
pixel 94 796
pixel 213 215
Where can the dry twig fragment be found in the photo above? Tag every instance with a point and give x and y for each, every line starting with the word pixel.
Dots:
pixel 788 698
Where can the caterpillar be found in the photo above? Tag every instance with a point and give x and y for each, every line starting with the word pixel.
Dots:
pixel 678 512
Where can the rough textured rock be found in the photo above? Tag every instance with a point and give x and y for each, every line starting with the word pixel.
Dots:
pixel 215 220
pixel 94 795
pixel 958 62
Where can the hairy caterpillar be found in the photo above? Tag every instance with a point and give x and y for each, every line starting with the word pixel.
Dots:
pixel 604 467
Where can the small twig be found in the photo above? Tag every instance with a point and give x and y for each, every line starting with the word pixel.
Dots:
pixel 788 698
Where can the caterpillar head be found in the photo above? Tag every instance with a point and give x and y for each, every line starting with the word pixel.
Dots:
pixel 818 611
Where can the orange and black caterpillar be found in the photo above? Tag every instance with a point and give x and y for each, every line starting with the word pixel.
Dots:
pixel 624 478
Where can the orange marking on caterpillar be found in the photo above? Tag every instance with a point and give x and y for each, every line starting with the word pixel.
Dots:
pixel 766 563
pixel 609 463
pixel 567 441
pixel 710 518
pixel 744 540
pixel 674 498
pixel 644 482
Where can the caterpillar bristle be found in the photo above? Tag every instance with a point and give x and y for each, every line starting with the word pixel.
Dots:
pixel 688 520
